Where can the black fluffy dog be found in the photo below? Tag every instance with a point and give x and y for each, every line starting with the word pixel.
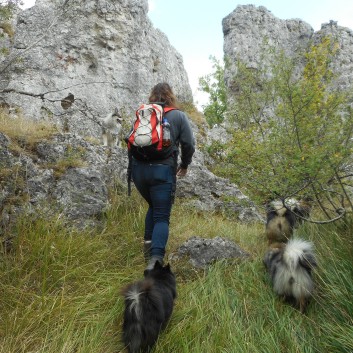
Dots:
pixel 148 306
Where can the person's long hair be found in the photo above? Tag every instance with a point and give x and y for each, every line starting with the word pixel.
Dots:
pixel 163 93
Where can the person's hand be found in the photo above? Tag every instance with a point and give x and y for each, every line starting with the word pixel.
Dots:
pixel 181 172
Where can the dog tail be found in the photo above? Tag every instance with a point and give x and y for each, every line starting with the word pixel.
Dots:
pixel 134 330
pixel 299 260
pixel 299 252
pixel 134 294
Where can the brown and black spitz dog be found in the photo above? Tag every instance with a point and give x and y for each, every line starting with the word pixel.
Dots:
pixel 148 307
pixel 282 219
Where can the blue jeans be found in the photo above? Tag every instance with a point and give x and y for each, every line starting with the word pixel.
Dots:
pixel 156 184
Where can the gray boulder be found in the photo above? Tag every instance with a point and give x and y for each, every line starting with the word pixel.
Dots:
pixel 202 252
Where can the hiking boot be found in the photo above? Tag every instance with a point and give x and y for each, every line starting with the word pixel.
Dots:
pixel 153 261
pixel 147 249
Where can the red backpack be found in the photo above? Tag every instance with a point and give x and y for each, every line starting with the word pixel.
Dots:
pixel 146 137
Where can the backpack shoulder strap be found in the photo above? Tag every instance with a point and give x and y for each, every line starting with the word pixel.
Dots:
pixel 168 109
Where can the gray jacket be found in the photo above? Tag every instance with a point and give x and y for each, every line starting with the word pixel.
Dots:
pixel 182 136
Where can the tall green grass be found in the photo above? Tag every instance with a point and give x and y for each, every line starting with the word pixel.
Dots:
pixel 60 288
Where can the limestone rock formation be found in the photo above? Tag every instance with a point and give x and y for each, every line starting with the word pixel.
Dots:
pixel 105 52
pixel 247 27
pixel 101 54
pixel 205 191
pixel 79 190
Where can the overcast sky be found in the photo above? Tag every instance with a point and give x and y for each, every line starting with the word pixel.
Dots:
pixel 194 27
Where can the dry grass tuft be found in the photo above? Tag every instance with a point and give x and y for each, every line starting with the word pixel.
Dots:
pixel 196 117
pixel 25 132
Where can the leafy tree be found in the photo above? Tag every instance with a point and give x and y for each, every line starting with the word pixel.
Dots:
pixel 214 85
pixel 7 8
pixel 296 131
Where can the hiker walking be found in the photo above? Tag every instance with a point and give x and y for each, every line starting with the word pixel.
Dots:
pixel 160 129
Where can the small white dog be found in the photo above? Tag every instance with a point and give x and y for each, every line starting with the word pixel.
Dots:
pixel 112 129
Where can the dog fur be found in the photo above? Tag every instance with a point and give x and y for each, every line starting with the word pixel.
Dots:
pixel 290 268
pixel 281 220
pixel 280 223
pixel 148 307
pixel 112 129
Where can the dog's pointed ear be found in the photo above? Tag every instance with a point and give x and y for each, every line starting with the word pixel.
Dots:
pixel 167 267
pixel 116 113
pixel 157 265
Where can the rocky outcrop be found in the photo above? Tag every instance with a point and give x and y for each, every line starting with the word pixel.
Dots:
pixel 342 64
pixel 205 191
pixel 70 175
pixel 248 28
pixel 74 62
pixel 105 52
pixel 65 175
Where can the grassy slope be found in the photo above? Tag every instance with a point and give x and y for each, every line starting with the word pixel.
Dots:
pixel 60 289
